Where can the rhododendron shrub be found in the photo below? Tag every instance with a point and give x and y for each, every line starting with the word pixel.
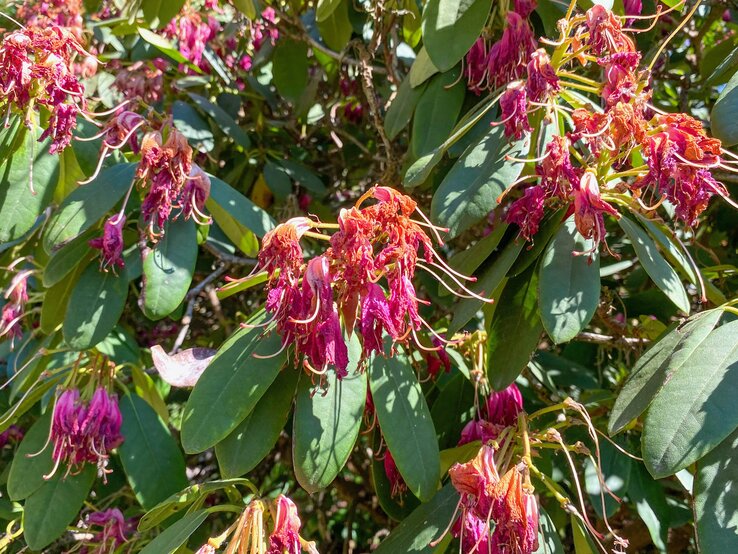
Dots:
pixel 390 277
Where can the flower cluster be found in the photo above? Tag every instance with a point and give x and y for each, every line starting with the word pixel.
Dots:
pixel 142 80
pixel 193 32
pixel 376 243
pixel 588 166
pixel 36 70
pixel 485 496
pixel 248 533
pixel 47 13
pixel 12 434
pixel 84 432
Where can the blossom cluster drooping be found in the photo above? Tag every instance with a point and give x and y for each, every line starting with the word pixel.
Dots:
pixel 114 531
pixel 372 244
pixel 36 70
pixel 84 432
pixel 16 298
pixel 595 157
pixel 500 411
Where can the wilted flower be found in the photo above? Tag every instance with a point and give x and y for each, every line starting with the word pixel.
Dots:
pixel 527 212
pixel 16 296
pixel 195 193
pixel 501 410
pixel 193 34
pixel 542 78
pixel 142 79
pixel 589 209
pixel 555 169
pixel 508 57
pixel 12 434
pixel 515 512
pixel 398 487
pixel 475 480
pixel 285 538
pixel 115 531
pixel 514 111
pixel 475 66
pixel 111 242
pixel 473 532
pixel 606 32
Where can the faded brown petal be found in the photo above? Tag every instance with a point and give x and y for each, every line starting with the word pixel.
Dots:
pixel 184 368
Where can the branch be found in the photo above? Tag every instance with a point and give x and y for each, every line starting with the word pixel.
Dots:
pixel 227 258
pixel 598 338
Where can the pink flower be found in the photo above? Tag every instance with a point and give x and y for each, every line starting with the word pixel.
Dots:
pixel 515 512
pixel 375 318
pixel 265 29
pixel 542 78
pixel 144 80
pixel 514 111
pixel 632 7
pixel 509 56
pixel 606 32
pixel 12 434
pixel 475 66
pixel 115 531
pixel 557 173
pixel 475 480
pixel 398 487
pixel 473 533
pixel 195 193
pixel 527 212
pixel 621 81
pixel 111 242
pixel 14 309
pixel 589 209
pixel 504 406
pixel 285 539
pixel 479 430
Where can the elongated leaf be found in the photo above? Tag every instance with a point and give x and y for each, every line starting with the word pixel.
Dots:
pixel 450 28
pixel 177 534
pixel 724 113
pixel 194 128
pixel 436 112
pixel 250 442
pixel 224 121
pixel 402 108
pixel 469 191
pixel 325 9
pixel 423 526
pixel 514 331
pixel 715 501
pixel 650 502
pixel 548 538
pixel 290 68
pixel 422 69
pixel 56 300
pixel 161 12
pixel 452 409
pixel 336 29
pixel 151 458
pixel 694 410
pixel 406 423
pixel 50 509
pixel 31 461
pixel 96 304
pixel 241 220
pixel 87 205
pixel 325 427
pixel 230 388
pixel 21 201
pixel 164 45
pixel 569 285
pixel 168 269
pixel 662 274
pixel 66 259
pixel 654 367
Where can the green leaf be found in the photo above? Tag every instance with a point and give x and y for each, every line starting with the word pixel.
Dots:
pixel 168 269
pixel 49 510
pixel 56 300
pixel 488 282
pixel 326 426
pixel 548 538
pixel 195 129
pixel 470 190
pixel 582 541
pixel 87 205
pixel 20 203
pixel 177 534
pixel 423 526
pixel 452 409
pixel 151 458
pixel 290 68
pixel 661 273
pixel 616 469
pixel 715 501
pixel 26 472
pixel 421 169
pixel 725 112
pixel 253 438
pixel 95 306
pixel 650 502
pixel 240 219
pixel 161 12
pixel 303 176
pixel 515 329
pixel 422 69
pixel 451 27
pixel 401 109
pixel 336 28
pixel 226 123
pixel 230 387
pixel 63 261
pixel 165 46
pixel 668 355
pixel 436 112
pixel 246 7
pixel 569 285
pixel 695 409
pixel 406 423
pixel 325 9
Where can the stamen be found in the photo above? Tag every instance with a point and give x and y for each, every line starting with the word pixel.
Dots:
pixel 111 110
pixel 268 356
pixel 528 160
pixel 128 136
pixel 103 155
pixel 432 227
pixel 312 317
pixel 461 286
pixel 94 137
pixel 436 542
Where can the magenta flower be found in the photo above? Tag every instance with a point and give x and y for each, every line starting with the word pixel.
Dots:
pixel 398 487
pixel 12 434
pixel 375 318
pixel 479 430
pixel 111 243
pixel 504 406
pixel 508 57
pixel 473 532
pixel 265 29
pixel 621 81
pixel 542 78
pixel 556 171
pixel 475 66
pixel 589 209
pixel 195 193
pixel 115 531
pixel 515 512
pixel 514 111
pixel 285 538
pixel 606 32
pixel 527 212
pixel 475 480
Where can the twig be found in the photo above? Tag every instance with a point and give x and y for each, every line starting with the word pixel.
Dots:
pixel 598 338
pixel 227 258
pixel 191 299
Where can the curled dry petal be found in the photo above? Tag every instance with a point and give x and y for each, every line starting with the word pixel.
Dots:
pixel 184 368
